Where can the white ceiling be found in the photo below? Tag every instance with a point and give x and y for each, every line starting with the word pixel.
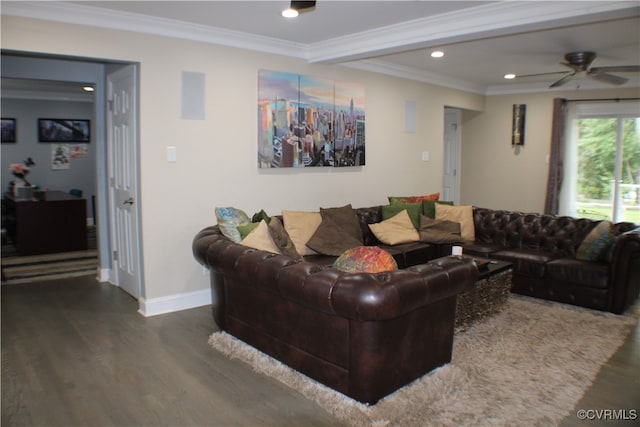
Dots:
pixel 482 40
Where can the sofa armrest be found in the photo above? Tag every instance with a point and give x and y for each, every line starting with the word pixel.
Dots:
pixel 625 271
pixel 361 296
pixel 389 295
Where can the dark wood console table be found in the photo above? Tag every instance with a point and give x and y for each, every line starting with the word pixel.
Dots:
pixel 56 224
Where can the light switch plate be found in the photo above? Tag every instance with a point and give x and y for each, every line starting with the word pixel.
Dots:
pixel 172 155
pixel 425 156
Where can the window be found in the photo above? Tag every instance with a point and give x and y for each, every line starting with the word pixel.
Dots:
pixel 602 167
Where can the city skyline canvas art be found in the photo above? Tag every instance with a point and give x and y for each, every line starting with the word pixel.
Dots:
pixel 307 121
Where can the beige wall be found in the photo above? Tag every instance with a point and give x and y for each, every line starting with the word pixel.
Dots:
pixel 496 175
pixel 217 163
pixel 217 156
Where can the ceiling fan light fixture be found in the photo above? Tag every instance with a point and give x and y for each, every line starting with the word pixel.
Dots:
pixel 437 54
pixel 509 76
pixel 298 7
pixel 290 13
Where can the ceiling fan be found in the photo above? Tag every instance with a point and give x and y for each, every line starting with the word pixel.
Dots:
pixel 580 65
pixel 298 7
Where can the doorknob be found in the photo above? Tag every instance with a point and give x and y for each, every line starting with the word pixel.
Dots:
pixel 129 201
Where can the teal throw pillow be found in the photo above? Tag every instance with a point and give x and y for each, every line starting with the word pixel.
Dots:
pixel 595 246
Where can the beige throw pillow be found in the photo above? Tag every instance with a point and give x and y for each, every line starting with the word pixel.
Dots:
pixel 260 238
pixel 396 230
pixel 460 214
pixel 301 225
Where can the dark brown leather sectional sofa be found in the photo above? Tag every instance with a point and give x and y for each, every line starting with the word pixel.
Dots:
pixel 366 335
pixel 543 249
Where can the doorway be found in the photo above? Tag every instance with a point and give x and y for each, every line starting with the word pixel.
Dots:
pixel 452 143
pixel 41 68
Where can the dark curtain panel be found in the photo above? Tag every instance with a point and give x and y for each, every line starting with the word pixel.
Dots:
pixel 556 156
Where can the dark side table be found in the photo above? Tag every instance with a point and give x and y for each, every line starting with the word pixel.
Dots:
pixel 56 224
pixel 487 297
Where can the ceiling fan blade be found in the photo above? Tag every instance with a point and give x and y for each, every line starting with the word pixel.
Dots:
pixel 563 80
pixel 618 69
pixel 607 78
pixel 539 74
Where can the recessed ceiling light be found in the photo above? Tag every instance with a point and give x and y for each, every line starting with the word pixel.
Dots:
pixel 88 88
pixel 437 54
pixel 290 13
pixel 509 76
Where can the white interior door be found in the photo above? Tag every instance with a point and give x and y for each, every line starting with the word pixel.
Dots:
pixel 123 179
pixel 452 142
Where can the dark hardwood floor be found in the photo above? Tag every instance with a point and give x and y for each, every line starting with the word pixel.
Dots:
pixel 77 353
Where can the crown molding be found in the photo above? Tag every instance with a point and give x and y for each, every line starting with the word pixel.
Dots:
pixel 387 68
pixel 137 23
pixel 356 50
pixel 494 19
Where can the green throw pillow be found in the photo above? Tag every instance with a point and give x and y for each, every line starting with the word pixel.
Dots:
pixel 259 216
pixel 413 209
pixel 429 207
pixel 245 229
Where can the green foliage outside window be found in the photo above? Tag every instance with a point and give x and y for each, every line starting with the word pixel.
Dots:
pixel 597 156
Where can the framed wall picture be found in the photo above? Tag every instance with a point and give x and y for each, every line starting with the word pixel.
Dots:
pixel 64 130
pixel 8 130
pixel 517 132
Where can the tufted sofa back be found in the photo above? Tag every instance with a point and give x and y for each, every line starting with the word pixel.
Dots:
pixel 549 233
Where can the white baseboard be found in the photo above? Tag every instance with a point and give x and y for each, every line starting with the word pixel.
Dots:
pixel 103 274
pixel 171 303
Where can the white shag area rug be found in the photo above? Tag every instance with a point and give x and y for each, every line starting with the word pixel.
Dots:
pixel 527 366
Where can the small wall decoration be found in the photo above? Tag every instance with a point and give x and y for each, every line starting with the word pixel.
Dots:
pixel 64 130
pixel 79 150
pixel 307 121
pixel 8 127
pixel 60 157
pixel 517 132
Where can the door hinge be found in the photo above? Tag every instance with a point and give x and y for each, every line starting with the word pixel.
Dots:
pixel 115 255
pixel 110 104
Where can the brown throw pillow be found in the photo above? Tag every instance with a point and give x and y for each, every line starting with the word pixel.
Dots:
pixel 331 239
pixel 439 231
pixel 281 238
pixel 345 218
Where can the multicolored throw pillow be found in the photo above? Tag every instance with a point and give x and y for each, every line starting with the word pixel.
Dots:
pixel 595 246
pixel 228 221
pixel 365 259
